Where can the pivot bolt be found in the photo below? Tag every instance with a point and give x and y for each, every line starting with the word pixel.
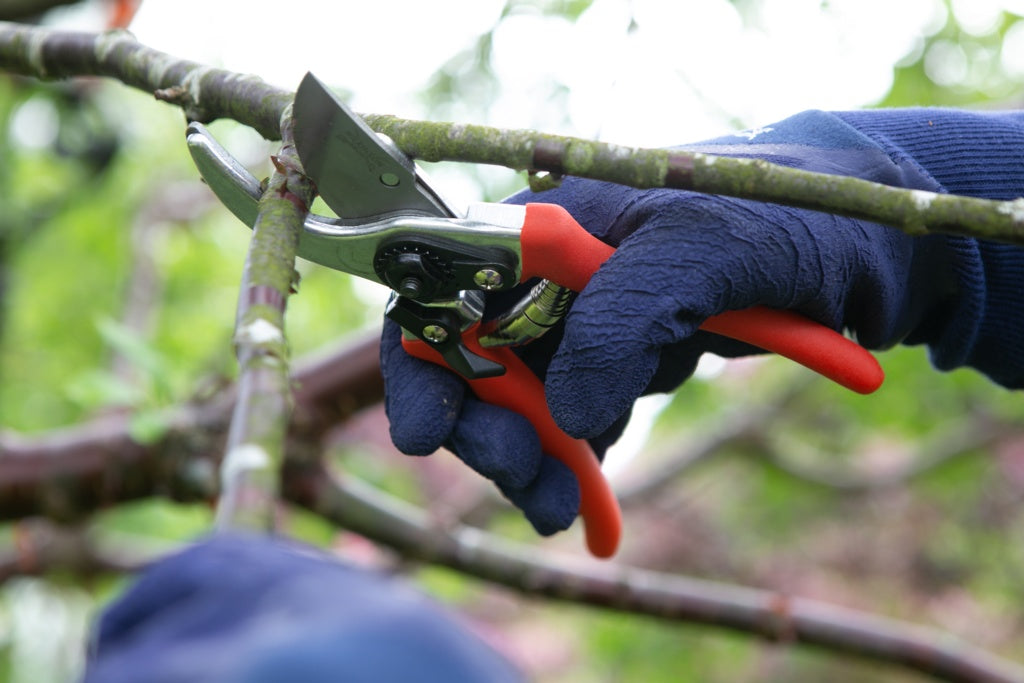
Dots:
pixel 488 279
pixel 435 334
pixel 410 286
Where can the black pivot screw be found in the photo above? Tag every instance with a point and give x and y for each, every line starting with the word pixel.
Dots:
pixel 412 271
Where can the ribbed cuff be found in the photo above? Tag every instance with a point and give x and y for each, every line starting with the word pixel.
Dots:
pixel 984 326
pixel 998 350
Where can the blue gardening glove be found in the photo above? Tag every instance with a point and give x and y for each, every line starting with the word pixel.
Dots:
pixel 247 609
pixel 681 258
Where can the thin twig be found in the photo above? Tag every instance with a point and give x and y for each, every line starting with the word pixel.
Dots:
pixel 251 469
pixel 166 207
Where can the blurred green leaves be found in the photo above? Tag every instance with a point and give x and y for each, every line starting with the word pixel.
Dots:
pixel 973 58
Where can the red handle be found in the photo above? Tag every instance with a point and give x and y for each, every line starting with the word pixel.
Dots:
pixel 520 391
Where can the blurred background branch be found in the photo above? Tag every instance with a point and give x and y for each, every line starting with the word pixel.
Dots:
pixel 70 473
pixel 40 548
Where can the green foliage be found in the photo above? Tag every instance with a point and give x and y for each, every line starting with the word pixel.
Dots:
pixel 959 66
pixel 157 523
pixel 624 648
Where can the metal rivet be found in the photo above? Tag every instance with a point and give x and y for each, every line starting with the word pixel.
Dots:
pixel 488 279
pixel 389 179
pixel 435 334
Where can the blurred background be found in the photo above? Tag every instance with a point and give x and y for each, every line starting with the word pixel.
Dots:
pixel 119 275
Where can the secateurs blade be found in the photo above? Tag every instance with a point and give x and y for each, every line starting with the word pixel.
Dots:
pixel 393 227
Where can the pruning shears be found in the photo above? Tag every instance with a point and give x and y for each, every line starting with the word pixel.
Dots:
pixel 394 228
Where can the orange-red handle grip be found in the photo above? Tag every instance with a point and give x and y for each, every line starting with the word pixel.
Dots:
pixel 520 391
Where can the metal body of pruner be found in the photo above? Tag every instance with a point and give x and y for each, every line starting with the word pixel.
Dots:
pixel 395 229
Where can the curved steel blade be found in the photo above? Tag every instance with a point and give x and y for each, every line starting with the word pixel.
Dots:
pixel 358 174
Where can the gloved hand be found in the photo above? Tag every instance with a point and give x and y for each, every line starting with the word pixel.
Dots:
pixel 248 609
pixel 681 258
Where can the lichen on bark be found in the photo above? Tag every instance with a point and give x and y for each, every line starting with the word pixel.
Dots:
pixel 259 424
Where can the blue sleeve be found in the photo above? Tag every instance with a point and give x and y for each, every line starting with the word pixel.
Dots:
pixel 977 154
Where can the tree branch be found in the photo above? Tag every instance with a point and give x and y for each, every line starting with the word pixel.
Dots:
pixel 251 470
pixel 355 505
pixel 203 92
pixel 740 425
pixel 70 473
pixel 915 212
pixel 206 93
pixel 747 425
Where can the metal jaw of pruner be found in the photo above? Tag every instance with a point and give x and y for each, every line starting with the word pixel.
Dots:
pixel 438 265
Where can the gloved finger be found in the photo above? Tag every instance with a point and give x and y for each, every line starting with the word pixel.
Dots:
pixel 611 345
pixel 551 501
pixel 504 447
pixel 693 257
pixel 603 441
pixel 497 443
pixel 423 401
pixel 677 363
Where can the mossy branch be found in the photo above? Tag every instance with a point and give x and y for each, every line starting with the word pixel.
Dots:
pixel 203 92
pixel 915 212
pixel 206 93
pixel 251 470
